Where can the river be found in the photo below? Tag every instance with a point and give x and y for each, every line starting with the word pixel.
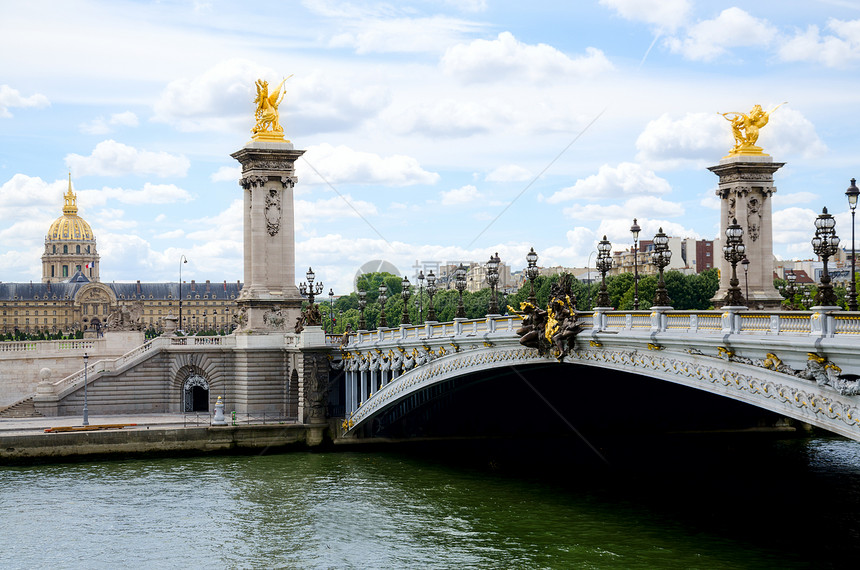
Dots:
pixel 698 502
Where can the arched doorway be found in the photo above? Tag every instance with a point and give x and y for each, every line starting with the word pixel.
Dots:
pixel 195 394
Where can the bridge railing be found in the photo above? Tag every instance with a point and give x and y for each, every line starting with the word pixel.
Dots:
pixel 714 322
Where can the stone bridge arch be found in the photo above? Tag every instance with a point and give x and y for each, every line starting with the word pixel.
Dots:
pixel 751 382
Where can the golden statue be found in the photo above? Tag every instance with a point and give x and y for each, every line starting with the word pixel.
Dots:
pixel 268 125
pixel 750 125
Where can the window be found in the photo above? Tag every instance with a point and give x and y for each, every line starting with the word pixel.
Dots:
pixel 77 249
pixel 77 267
pixel 65 271
pixel 52 271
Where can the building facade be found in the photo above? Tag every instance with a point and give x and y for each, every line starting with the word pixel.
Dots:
pixel 72 298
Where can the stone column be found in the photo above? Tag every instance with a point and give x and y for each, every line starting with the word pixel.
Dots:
pixel 745 189
pixel 269 301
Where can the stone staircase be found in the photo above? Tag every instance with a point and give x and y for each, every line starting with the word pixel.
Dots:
pixel 22 409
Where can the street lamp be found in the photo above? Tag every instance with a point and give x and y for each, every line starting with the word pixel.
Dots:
pixel 635 229
pixel 383 297
pixel 746 263
pixel 852 194
pixel 310 289
pixel 825 244
pixel 404 294
pixel 532 273
pixel 734 252
pixel 604 264
pixel 420 299
pixel 86 421
pixel 661 256
pixel 362 303
pixel 790 290
pixel 431 290
pixel 181 261
pixel 460 283
pixel 493 280
pixel 331 309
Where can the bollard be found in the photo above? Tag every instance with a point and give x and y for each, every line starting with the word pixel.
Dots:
pixel 219 420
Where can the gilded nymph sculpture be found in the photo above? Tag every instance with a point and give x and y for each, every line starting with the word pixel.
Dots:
pixel 268 126
pixel 745 128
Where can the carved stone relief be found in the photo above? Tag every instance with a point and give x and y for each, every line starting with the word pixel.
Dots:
pixel 273 212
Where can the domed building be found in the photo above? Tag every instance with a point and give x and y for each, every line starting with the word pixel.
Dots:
pixel 71 297
pixel 70 245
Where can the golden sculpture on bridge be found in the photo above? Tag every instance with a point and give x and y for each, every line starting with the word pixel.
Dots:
pixel 268 126
pixel 745 128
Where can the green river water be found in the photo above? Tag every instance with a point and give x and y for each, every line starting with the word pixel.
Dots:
pixel 696 504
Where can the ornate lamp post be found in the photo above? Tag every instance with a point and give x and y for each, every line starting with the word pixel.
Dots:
pixel 635 229
pixel 661 256
pixel 790 290
pixel 604 264
pixel 420 297
pixel 404 294
pixel 825 244
pixel 532 273
pixel 310 289
pixel 431 290
pixel 86 421
pixel 746 263
pixel 493 280
pixel 331 310
pixel 807 298
pixel 181 261
pixel 383 297
pixel 362 303
pixel 734 252
pixel 853 192
pixel 460 276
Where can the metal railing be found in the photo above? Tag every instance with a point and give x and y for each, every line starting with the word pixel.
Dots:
pixel 198 419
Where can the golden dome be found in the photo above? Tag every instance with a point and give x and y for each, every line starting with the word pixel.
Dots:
pixel 70 226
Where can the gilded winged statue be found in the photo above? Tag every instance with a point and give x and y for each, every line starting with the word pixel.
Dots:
pixel 268 118
pixel 745 128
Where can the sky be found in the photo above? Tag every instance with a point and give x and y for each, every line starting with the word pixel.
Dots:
pixel 434 131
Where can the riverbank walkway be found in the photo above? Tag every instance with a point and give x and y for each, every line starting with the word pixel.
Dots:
pixel 28 426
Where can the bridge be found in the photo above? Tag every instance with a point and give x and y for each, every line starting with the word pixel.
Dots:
pixel 799 364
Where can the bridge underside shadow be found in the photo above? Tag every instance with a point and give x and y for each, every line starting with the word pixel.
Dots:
pixel 560 400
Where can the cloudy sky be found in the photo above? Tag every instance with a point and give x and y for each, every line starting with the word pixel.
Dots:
pixel 435 131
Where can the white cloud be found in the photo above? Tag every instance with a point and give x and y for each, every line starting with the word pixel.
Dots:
pixel 214 100
pixel 110 158
pixel 227 174
pixel 781 200
pixel 626 179
pixel 671 142
pixel 387 28
pixel 462 195
pixel 468 5
pixel 837 50
pixel 509 173
pixel 12 98
pixel 642 205
pixel 580 241
pixel 333 208
pixel 733 28
pixel 341 164
pixel 149 194
pixel 667 142
pixel 102 126
pixel 496 60
pixel 664 14
pixel 794 226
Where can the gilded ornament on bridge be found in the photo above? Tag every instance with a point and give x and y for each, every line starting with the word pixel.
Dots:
pixel 268 126
pixel 549 330
pixel 745 128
